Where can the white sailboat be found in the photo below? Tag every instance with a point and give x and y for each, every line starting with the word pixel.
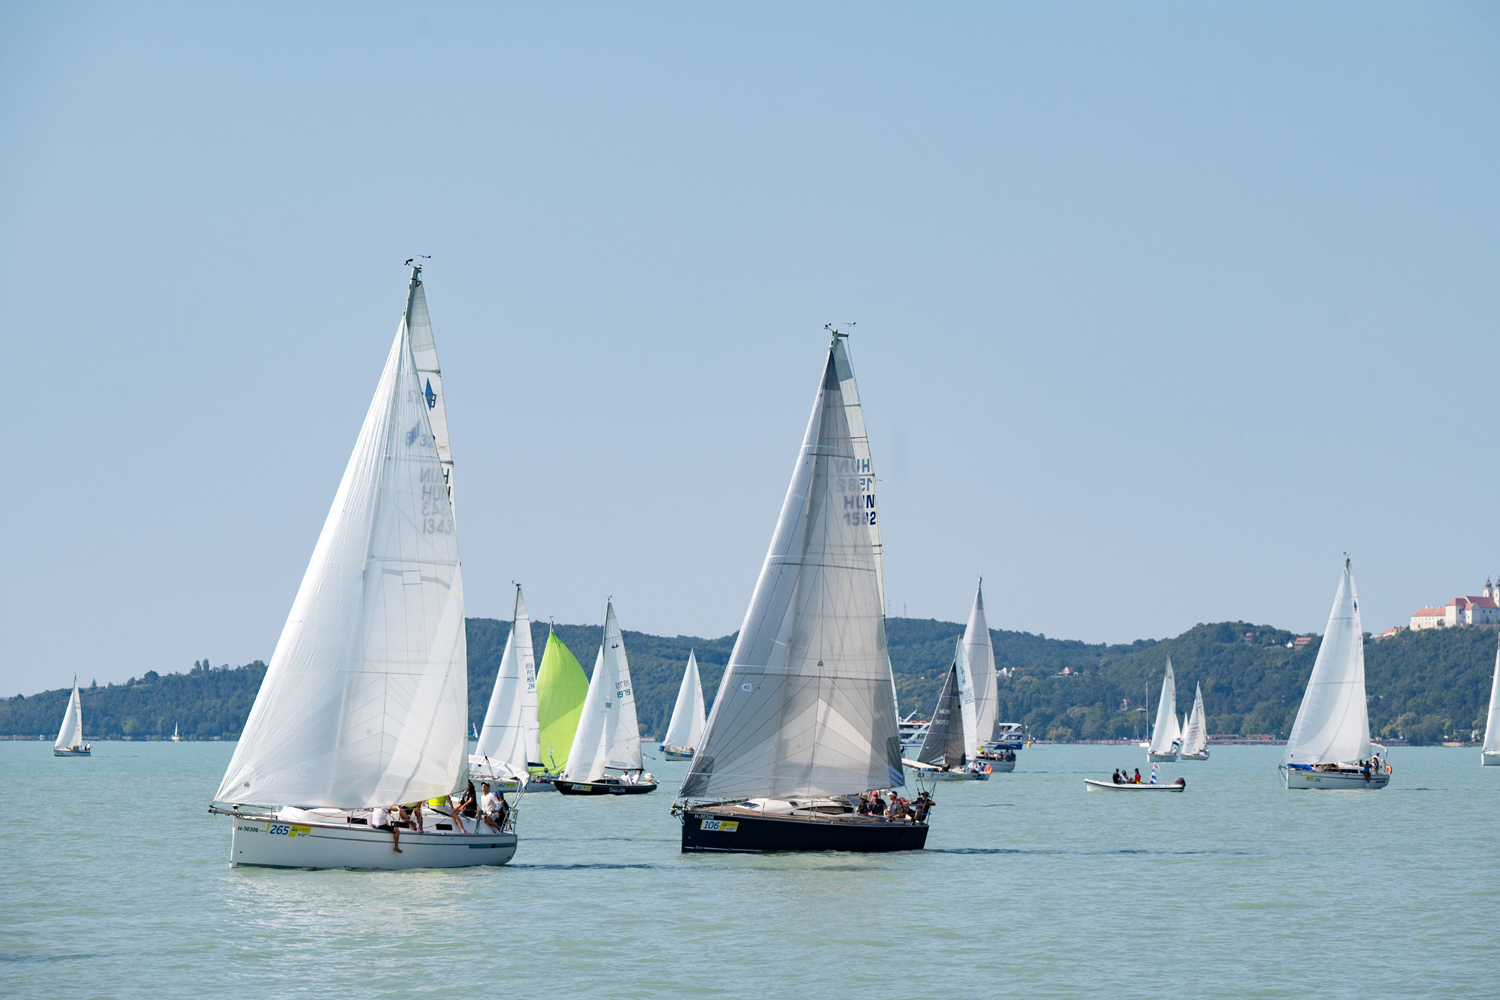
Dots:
pixel 1166 736
pixel 805 718
pixel 947 749
pixel 606 754
pixel 1490 755
pixel 364 704
pixel 1330 743
pixel 507 742
pixel 979 649
pixel 70 734
pixel 1195 732
pixel 175 737
pixel 686 727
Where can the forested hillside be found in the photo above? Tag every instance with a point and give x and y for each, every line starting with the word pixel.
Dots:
pixel 1423 686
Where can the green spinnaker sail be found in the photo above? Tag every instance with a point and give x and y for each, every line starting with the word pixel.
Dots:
pixel 561 686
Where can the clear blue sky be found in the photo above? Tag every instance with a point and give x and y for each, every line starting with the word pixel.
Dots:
pixel 1160 307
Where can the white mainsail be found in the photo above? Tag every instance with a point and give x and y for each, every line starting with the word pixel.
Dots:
pixel 608 735
pixel 429 372
pixel 1195 733
pixel 966 697
pixel 1333 722
pixel 1166 732
pixel 520 630
pixel 70 734
pixel 686 727
pixel 807 706
pixel 1492 722
pixel 365 700
pixel 979 647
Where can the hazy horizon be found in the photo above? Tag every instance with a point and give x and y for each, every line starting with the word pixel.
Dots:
pixel 1159 309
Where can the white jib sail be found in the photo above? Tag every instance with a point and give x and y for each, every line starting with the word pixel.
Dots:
pixel 502 738
pixel 365 700
pixel 70 735
pixel 609 735
pixel 806 707
pixel 526 658
pixel 966 698
pixel 1492 723
pixel 1333 722
pixel 979 647
pixel 686 727
pixel 1195 733
pixel 1166 731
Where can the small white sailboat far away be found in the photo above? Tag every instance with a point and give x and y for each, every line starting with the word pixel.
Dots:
pixel 1195 733
pixel 805 719
pixel 945 750
pixel 995 749
pixel 70 734
pixel 1166 737
pixel 506 750
pixel 1490 755
pixel 175 737
pixel 606 754
pixel 686 727
pixel 362 714
pixel 1330 743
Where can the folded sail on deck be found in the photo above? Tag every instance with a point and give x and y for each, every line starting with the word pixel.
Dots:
pixel 806 706
pixel 1333 722
pixel 365 699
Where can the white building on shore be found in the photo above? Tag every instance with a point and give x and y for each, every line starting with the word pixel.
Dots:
pixel 1462 612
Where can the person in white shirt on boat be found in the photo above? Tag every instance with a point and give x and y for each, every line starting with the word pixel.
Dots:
pixel 492 807
pixel 380 819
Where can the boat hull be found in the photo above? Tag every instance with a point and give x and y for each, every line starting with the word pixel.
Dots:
pixel 1184 758
pixel 603 787
pixel 1161 758
pixel 677 753
pixel 733 832
pixel 1109 786
pixel 1296 778
pixel 1490 758
pixel 259 843
pixel 64 752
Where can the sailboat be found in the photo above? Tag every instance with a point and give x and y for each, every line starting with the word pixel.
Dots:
pixel 606 754
pixel 945 750
pixel 805 717
pixel 507 742
pixel 1195 733
pixel 561 686
pixel 1330 743
pixel 364 705
pixel 1166 737
pixel 1490 755
pixel 175 737
pixel 686 727
pixel 979 649
pixel 70 734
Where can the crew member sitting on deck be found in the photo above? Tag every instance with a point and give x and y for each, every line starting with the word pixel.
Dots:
pixel 1137 780
pixel 923 806
pixel 1115 778
pixel 493 808
pixel 877 804
pixel 380 819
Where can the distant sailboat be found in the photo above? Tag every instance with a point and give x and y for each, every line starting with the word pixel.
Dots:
pixel 508 739
pixel 1330 743
pixel 175 737
pixel 70 734
pixel 364 705
pixel 561 686
pixel 686 727
pixel 945 753
pixel 606 754
pixel 1166 737
pixel 1195 733
pixel 1490 755
pixel 805 718
pixel 979 649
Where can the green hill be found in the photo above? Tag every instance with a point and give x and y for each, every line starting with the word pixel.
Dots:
pixel 1423 686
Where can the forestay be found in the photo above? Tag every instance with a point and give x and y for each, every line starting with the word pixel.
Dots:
pixel 686 727
pixel 945 743
pixel 505 737
pixel 806 706
pixel 1492 723
pixel 364 702
pixel 1333 723
pixel 608 734
pixel 979 648
pixel 1195 733
pixel 1166 732
pixel 70 734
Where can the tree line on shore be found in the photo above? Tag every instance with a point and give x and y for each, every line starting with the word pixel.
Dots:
pixel 1423 687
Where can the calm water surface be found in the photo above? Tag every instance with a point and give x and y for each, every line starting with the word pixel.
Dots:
pixel 116 884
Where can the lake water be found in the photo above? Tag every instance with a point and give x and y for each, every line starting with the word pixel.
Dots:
pixel 116 884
